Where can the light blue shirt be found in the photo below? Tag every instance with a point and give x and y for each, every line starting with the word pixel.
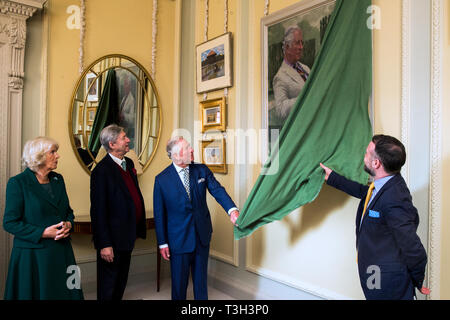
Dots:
pixel 378 184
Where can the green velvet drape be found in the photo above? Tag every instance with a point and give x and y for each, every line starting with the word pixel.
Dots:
pixel 329 123
pixel 107 113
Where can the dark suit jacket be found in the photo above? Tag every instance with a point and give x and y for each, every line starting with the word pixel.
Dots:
pixel 387 238
pixel 113 214
pixel 177 219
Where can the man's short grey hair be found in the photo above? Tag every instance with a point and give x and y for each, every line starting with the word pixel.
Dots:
pixel 173 147
pixel 110 134
pixel 289 35
pixel 35 152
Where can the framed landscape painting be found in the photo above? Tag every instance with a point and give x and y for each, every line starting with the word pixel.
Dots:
pixel 214 60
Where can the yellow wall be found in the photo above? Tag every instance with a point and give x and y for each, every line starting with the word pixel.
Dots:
pixel 112 26
pixel 387 56
pixel 445 262
pixel 222 244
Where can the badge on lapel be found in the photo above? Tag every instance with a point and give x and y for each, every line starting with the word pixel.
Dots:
pixel 201 180
pixel 374 214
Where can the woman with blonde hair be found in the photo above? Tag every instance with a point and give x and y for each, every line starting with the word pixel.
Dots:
pixel 38 214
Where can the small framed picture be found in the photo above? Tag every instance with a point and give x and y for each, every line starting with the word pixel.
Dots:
pixel 214 64
pixel 92 87
pixel 80 118
pixel 213 154
pixel 90 116
pixel 213 114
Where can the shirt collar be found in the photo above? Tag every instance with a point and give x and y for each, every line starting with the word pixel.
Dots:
pixel 289 64
pixel 116 160
pixel 178 168
pixel 379 183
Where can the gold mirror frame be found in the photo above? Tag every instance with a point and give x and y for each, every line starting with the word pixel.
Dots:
pixel 114 61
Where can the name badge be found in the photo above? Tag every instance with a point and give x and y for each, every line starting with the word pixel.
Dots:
pixel 374 214
pixel 201 180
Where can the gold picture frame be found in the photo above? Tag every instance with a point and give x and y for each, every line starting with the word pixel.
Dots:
pixel 213 154
pixel 90 115
pixel 80 119
pixel 214 63
pixel 91 88
pixel 213 114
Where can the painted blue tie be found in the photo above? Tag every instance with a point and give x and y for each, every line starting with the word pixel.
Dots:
pixel 124 165
pixel 186 181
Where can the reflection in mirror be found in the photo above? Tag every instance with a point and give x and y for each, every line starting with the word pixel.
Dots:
pixel 115 89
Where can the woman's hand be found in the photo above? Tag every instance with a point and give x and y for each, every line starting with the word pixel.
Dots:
pixel 64 232
pixel 57 231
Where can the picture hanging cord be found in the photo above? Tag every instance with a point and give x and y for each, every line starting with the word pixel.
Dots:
pixel 154 32
pixel 82 32
pixel 225 30
pixel 205 37
pixel 266 7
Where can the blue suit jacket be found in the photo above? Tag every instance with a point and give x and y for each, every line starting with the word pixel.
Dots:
pixel 177 219
pixel 387 238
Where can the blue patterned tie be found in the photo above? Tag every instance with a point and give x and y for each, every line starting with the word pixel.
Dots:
pixel 186 181
pixel 124 165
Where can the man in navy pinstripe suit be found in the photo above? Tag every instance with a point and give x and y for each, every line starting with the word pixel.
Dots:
pixel 182 219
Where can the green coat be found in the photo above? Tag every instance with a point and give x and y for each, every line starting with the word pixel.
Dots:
pixel 38 268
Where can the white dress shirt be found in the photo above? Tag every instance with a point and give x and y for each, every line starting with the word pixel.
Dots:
pixel 117 160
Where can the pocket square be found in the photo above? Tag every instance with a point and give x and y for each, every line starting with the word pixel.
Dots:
pixel 374 214
pixel 201 180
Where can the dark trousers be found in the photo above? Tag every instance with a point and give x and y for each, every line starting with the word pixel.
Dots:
pixel 180 267
pixel 112 277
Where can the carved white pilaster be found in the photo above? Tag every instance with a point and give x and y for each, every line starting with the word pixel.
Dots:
pixel 435 221
pixel 13 16
pixel 406 81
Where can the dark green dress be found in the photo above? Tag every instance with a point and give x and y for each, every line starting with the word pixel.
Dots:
pixel 39 269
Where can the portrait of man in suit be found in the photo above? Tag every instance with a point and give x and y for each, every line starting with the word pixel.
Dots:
pixel 292 74
pixel 391 258
pixel 117 213
pixel 182 219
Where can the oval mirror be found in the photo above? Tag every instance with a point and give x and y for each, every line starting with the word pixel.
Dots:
pixel 115 89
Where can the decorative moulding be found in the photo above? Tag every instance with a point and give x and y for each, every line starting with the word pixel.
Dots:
pixel 406 80
pixel 23 8
pixel 435 216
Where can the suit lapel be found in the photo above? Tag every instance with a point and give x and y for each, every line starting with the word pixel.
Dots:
pixel 292 73
pixel 134 177
pixel 192 180
pixel 37 188
pixel 57 187
pixel 385 187
pixel 176 177
pixel 114 169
